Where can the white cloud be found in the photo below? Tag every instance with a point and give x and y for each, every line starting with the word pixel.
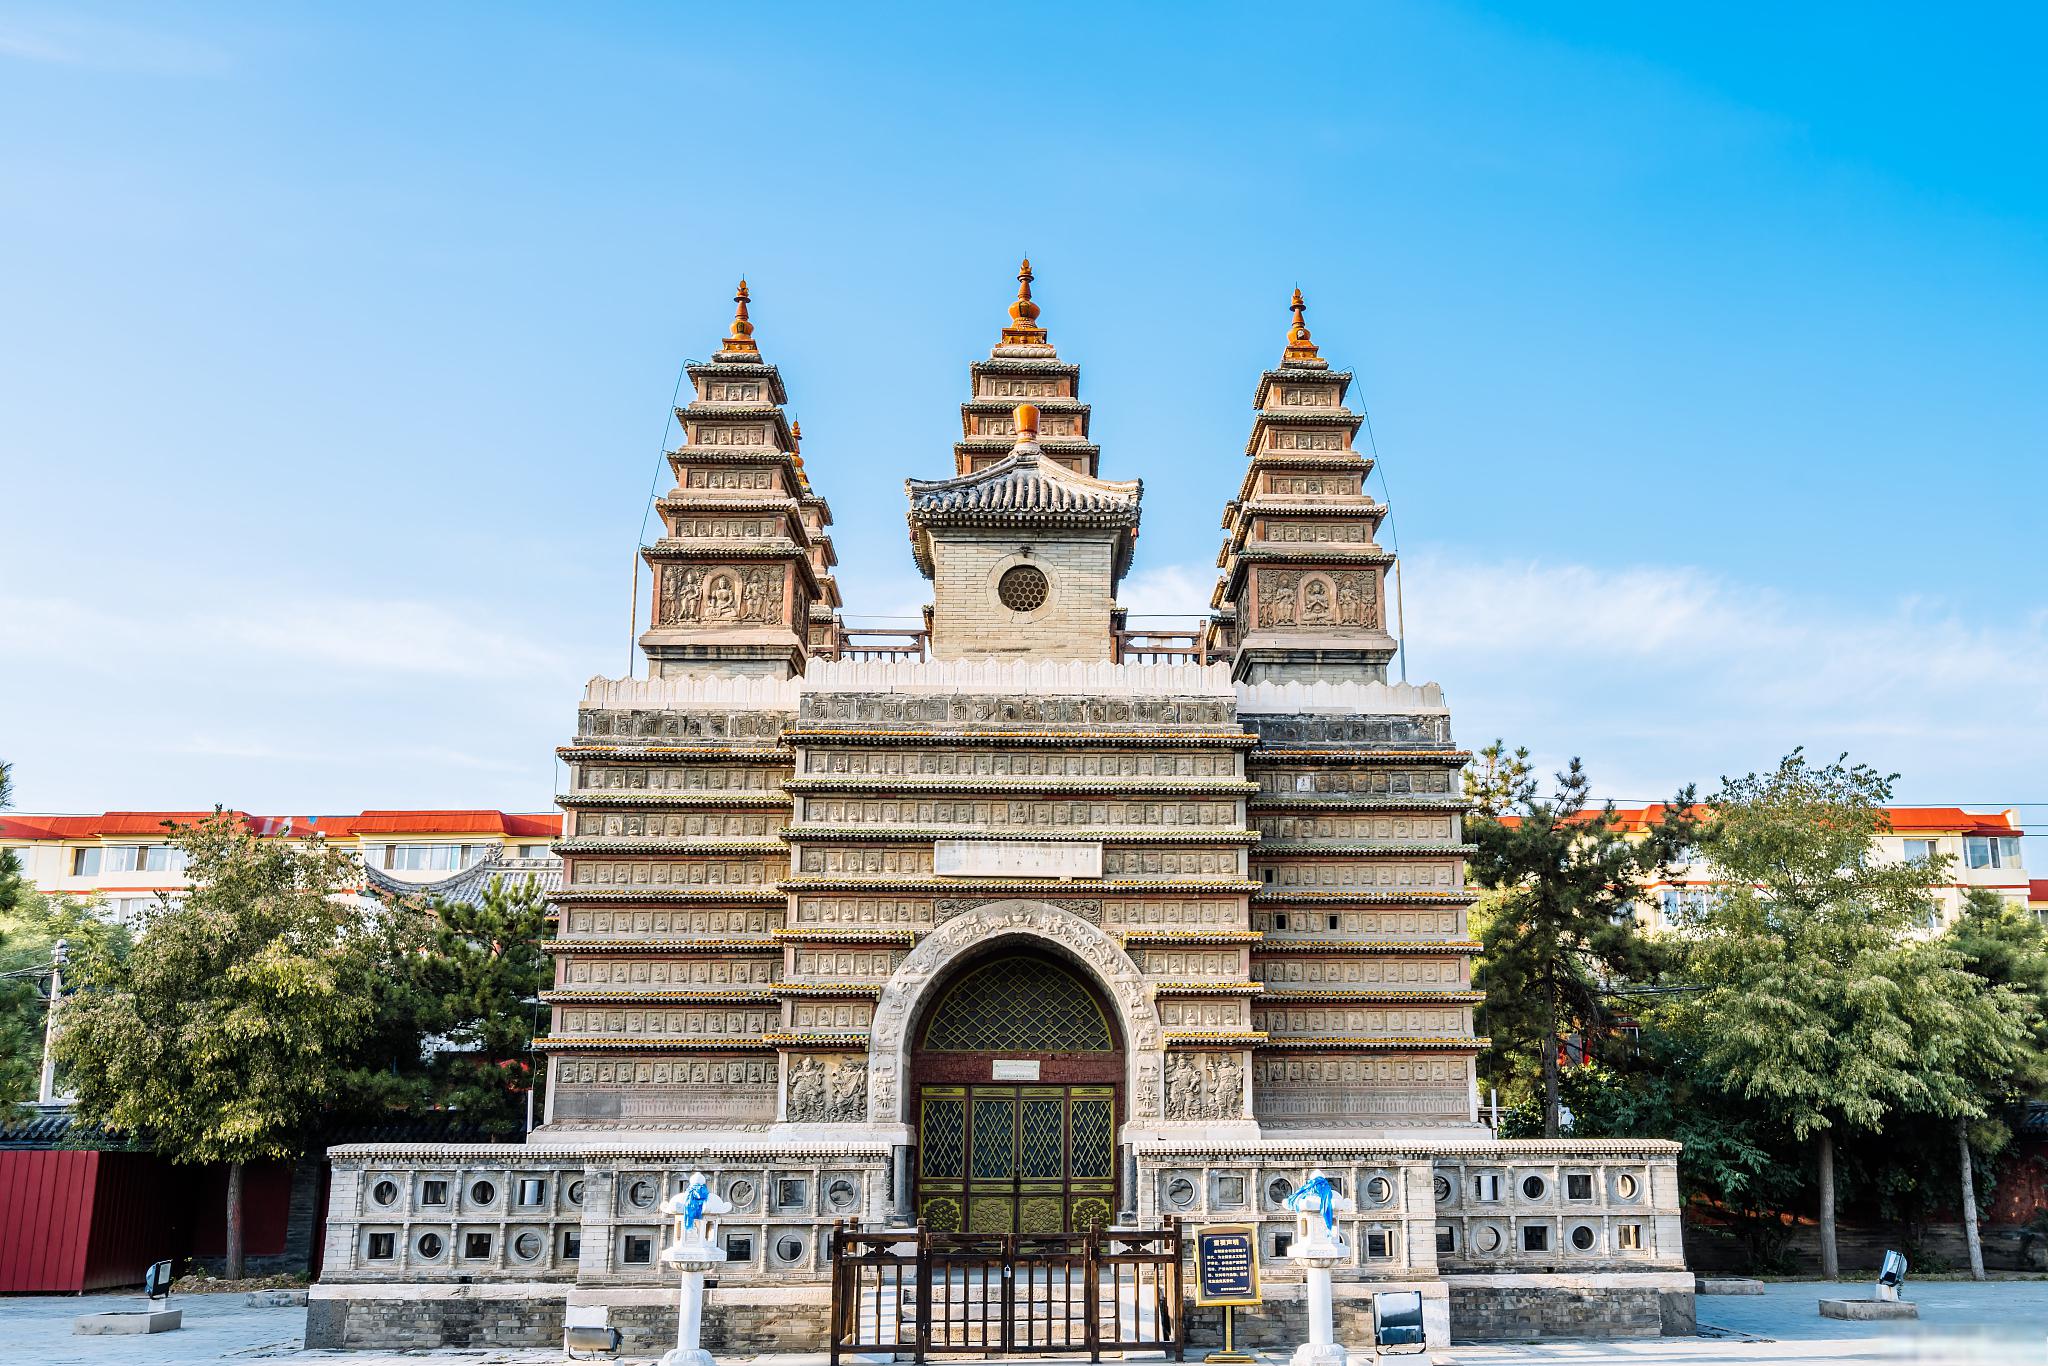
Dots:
pixel 1666 674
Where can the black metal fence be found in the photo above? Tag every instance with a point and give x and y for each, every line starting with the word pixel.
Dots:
pixel 918 1292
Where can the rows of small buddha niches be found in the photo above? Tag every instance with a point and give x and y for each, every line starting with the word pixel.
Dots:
pixel 533 1215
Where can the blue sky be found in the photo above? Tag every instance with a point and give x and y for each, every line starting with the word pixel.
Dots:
pixel 1704 352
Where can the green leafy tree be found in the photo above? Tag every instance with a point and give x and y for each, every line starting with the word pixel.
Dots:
pixel 1560 925
pixel 226 1031
pixel 1816 1002
pixel 2005 948
pixel 486 967
pixel 29 932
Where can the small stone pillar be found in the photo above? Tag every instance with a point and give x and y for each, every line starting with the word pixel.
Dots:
pixel 1318 1245
pixel 692 1253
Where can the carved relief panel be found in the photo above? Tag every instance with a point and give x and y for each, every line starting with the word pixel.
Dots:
pixel 721 595
pixel 1310 598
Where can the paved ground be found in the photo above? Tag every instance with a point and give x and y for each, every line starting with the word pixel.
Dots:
pixel 2002 1323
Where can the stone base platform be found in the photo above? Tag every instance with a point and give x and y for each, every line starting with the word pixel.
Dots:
pixel 1619 1304
pixel 130 1321
pixel 1864 1310
pixel 1728 1285
pixel 746 1322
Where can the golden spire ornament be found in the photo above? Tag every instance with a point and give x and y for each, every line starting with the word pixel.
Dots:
pixel 740 336
pixel 1024 329
pixel 1299 347
pixel 796 453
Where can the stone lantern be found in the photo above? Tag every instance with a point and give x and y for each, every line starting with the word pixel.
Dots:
pixel 1319 1245
pixel 692 1253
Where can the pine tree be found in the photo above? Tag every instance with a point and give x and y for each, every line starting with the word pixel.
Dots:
pixel 1561 925
pixel 487 966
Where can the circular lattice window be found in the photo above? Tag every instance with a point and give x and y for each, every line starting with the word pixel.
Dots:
pixel 1022 588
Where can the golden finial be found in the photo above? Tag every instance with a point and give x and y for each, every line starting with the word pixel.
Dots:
pixel 1024 329
pixel 1299 347
pixel 796 436
pixel 740 336
pixel 1027 422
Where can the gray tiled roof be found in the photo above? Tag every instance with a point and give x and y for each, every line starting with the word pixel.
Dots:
pixel 467 886
pixel 1023 488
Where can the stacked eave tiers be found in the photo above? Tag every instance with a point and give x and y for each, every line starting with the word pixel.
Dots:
pixel 741 573
pixel 1303 591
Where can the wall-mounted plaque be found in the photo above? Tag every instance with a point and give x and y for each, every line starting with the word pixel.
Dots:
pixel 1015 1069
pixel 1061 859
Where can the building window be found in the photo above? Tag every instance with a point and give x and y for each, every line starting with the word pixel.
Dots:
pixel 1486 1186
pixel 1378 1243
pixel 638 1249
pixel 1533 1187
pixel 1535 1238
pixel 1628 1237
pixel 1920 851
pixel 1578 1186
pixel 1446 1240
pixel 739 1247
pixel 429 1245
pixel 482 1193
pixel 572 1244
pixel 476 1244
pixel 533 1190
pixel 1991 851
pixel 384 1192
pixel 1022 588
pixel 431 858
pixel 1583 1237
pixel 85 862
pixel 382 1247
pixel 164 858
pixel 433 1192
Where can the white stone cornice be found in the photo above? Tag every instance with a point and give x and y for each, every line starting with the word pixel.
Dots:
pixel 1344 699
pixel 1020 677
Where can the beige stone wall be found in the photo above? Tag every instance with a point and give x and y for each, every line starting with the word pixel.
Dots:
pixel 969 620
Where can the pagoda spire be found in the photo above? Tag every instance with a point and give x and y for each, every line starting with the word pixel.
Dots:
pixel 1024 329
pixel 739 338
pixel 1300 349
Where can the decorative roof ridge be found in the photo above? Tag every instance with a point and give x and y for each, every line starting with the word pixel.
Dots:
pixel 1025 456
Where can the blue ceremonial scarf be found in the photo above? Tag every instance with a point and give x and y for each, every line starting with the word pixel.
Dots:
pixel 693 1205
pixel 1318 1186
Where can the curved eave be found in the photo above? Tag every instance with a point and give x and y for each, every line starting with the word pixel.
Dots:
pixel 1413 1043
pixel 696 896
pixel 571 1043
pixel 685 948
pixel 919 834
pixel 1405 948
pixel 674 754
pixel 1084 739
pixel 999 786
pixel 1034 886
pixel 675 801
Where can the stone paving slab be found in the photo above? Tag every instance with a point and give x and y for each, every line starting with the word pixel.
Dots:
pixel 1999 1323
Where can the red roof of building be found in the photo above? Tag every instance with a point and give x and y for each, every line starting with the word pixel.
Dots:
pixel 1905 820
pixel 2037 891
pixel 512 824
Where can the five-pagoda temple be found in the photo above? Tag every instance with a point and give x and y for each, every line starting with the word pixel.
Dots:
pixel 1024 923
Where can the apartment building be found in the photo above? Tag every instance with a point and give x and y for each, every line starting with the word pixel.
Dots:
pixel 1983 850
pixel 126 857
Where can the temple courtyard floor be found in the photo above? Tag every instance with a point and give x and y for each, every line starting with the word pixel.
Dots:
pixel 1994 1322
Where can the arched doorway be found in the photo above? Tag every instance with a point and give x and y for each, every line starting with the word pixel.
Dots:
pixel 1017 1080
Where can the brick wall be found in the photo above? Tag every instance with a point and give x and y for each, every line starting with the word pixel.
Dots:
pixel 969 620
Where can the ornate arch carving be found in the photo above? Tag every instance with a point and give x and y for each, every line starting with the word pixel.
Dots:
pixel 1042 926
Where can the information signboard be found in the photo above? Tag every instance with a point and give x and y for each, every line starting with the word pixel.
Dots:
pixel 1227 1264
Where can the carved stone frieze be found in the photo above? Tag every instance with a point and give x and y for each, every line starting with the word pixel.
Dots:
pixel 662 723
pixel 720 595
pixel 827 1089
pixel 1349 730
pixel 1204 1086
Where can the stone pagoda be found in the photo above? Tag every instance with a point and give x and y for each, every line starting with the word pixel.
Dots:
pixel 1007 934
pixel 741 568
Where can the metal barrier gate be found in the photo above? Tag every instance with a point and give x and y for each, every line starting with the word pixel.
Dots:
pixel 918 1292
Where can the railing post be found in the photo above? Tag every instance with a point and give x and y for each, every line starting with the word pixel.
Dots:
pixel 1180 1318
pixel 835 1256
pixel 924 1292
pixel 1091 1292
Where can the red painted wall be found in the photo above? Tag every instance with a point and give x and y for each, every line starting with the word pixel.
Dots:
pixel 72 1221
